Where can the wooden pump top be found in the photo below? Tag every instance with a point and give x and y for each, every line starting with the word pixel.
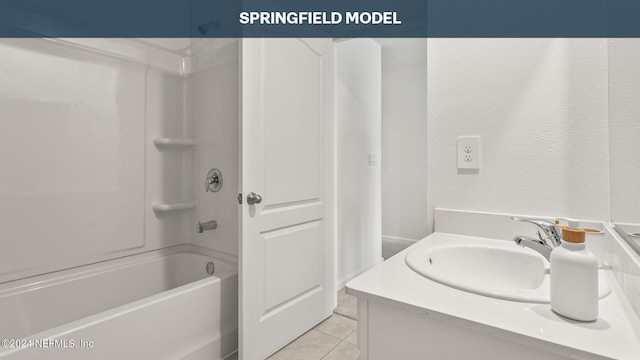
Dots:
pixel 573 235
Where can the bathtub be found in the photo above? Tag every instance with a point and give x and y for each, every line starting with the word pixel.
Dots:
pixel 161 304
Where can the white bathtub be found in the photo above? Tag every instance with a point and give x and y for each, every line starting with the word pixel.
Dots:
pixel 157 305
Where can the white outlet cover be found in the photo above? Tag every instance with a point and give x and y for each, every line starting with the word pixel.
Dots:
pixel 469 152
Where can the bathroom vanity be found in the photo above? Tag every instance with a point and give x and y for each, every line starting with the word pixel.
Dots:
pixel 403 314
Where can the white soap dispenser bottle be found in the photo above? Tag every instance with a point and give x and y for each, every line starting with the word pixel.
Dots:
pixel 574 276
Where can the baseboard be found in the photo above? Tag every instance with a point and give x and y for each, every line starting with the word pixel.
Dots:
pixel 398 239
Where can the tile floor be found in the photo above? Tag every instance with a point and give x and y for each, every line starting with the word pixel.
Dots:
pixel 347 305
pixel 332 339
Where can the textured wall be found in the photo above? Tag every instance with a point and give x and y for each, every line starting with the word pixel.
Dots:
pixel 540 106
pixel 624 127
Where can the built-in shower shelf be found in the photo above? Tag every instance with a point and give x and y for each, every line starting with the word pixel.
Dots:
pixel 173 206
pixel 178 144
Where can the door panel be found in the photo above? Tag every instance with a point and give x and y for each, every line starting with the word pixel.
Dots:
pixel 290 276
pixel 292 109
pixel 286 249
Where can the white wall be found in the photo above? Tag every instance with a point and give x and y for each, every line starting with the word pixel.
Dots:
pixel 624 127
pixel 404 139
pixel 213 92
pixel 540 106
pixel 79 171
pixel 358 102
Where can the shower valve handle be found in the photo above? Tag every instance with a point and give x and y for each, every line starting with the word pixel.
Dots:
pixel 253 198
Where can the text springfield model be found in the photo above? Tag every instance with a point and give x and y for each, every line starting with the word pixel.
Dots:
pixel 318 18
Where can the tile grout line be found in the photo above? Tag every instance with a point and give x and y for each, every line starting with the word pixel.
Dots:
pixel 335 337
pixel 351 333
pixel 345 316
pixel 340 340
pixel 325 355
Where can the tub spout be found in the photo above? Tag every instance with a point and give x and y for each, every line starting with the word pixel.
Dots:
pixel 209 225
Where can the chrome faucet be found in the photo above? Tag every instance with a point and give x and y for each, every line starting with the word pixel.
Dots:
pixel 548 236
pixel 209 225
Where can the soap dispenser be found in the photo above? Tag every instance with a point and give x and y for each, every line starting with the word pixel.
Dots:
pixel 574 276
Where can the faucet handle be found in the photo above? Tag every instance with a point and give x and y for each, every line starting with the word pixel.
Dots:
pixel 548 227
pixel 537 222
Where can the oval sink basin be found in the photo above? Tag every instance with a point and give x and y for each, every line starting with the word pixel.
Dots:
pixel 494 268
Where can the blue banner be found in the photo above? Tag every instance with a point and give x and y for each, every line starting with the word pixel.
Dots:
pixel 319 18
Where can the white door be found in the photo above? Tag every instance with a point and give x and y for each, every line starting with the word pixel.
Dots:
pixel 286 247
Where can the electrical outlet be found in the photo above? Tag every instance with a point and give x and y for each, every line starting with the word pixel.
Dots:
pixel 469 152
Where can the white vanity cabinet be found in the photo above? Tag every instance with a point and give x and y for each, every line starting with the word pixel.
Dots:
pixel 393 331
pixel 404 315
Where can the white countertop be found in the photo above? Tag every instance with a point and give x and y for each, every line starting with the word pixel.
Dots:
pixel 616 333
